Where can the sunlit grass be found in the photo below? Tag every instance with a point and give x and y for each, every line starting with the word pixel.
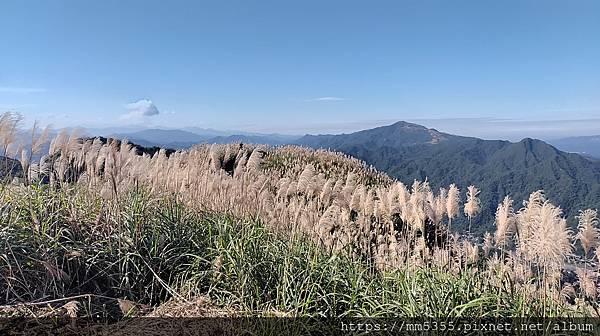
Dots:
pixel 60 243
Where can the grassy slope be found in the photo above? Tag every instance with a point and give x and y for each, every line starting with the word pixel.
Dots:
pixel 146 249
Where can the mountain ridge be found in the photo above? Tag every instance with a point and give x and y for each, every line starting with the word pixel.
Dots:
pixel 181 139
pixel 497 167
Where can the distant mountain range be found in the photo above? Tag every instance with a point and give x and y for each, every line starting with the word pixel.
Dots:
pixel 162 137
pixel 499 168
pixel 180 139
pixel 584 145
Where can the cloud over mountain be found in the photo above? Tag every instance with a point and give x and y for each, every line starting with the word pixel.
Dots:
pixel 141 108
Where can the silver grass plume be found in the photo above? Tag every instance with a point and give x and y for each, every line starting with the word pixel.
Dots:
pixel 587 283
pixel 38 141
pixel 256 158
pixel 216 156
pixel 471 251
pixel 59 142
pixel 368 204
pixel 402 192
pixel 25 162
pixel 525 219
pixel 440 204
pixel 452 201
pixel 403 201
pixel 472 206
pixel 9 125
pixel 72 142
pixel 327 222
pixel 588 231
pixel 431 207
pixel 305 179
pixel 348 189
pixel 419 203
pixel 325 195
pixel 231 152
pixel 338 187
pixel 505 221
pixel 487 243
pixel 551 239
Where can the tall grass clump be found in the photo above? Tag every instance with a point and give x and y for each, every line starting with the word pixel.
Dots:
pixel 149 250
pixel 288 230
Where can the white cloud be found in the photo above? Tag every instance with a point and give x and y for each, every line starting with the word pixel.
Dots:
pixel 7 89
pixel 326 99
pixel 140 109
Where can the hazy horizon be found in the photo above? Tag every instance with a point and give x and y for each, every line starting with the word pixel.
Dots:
pixel 490 129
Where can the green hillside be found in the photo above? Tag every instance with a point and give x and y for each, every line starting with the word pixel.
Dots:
pixel 408 151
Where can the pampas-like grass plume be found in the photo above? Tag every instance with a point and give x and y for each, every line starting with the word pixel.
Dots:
pixel 472 206
pixel 487 243
pixel 452 201
pixel 440 204
pixel 419 204
pixel 216 156
pixel 306 178
pixel 551 239
pixel 9 125
pixel 505 221
pixel 525 220
pixel 588 231
pixel 587 282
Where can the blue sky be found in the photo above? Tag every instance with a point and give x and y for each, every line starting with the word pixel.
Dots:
pixel 298 66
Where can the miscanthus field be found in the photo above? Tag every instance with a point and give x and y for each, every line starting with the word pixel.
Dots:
pixel 102 228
